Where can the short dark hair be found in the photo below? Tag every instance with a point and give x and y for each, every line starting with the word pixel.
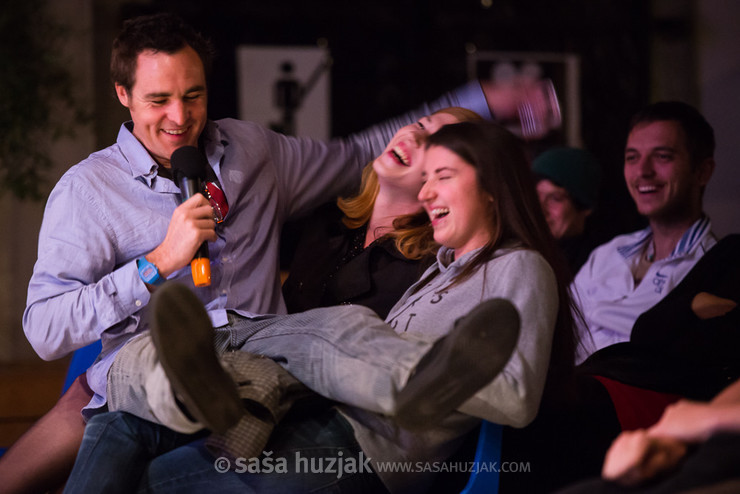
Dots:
pixel 163 32
pixel 699 134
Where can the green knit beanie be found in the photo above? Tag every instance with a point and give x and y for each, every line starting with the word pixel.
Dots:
pixel 576 170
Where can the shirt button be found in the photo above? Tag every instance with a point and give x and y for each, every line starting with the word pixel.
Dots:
pixel 138 303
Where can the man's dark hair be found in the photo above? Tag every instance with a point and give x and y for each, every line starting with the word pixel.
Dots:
pixel 162 32
pixel 699 134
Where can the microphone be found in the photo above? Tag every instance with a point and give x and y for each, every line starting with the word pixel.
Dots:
pixel 189 172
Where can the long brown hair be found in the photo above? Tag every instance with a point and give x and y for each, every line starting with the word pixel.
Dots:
pixel 412 233
pixel 504 173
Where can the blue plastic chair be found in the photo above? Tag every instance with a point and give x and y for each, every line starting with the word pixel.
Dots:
pixel 81 360
pixel 488 459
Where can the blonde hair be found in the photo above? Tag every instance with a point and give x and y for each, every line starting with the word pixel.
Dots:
pixel 412 233
pixel 358 209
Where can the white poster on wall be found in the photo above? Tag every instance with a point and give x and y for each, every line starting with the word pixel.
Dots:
pixel 286 88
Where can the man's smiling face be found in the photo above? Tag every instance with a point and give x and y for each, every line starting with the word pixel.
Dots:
pixel 168 102
pixel 660 177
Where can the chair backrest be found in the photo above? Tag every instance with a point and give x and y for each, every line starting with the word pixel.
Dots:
pixel 487 461
pixel 81 360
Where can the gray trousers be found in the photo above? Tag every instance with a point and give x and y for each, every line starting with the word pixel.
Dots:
pixel 345 353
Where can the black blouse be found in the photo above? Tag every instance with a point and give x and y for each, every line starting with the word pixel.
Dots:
pixel 331 267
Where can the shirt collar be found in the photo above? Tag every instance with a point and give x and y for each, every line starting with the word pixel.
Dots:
pixel 692 237
pixel 447 262
pixel 138 158
pixel 686 244
pixel 214 143
pixel 144 167
pixel 446 256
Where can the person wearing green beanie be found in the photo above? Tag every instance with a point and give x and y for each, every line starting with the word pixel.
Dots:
pixel 568 181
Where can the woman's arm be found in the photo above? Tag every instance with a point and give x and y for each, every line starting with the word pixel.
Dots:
pixel 513 398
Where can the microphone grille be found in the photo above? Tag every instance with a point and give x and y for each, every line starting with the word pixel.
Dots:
pixel 189 162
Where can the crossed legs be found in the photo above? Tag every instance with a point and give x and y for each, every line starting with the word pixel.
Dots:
pixel 344 353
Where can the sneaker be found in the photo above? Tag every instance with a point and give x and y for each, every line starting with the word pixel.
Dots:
pixel 459 364
pixel 183 336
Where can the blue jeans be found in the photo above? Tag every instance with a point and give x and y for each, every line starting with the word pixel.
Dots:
pixel 116 449
pixel 303 451
pixel 307 453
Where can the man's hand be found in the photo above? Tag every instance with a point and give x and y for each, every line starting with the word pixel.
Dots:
pixel 530 102
pixel 503 99
pixel 635 457
pixel 191 225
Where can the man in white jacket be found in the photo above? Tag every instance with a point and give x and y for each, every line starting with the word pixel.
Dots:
pixel 669 159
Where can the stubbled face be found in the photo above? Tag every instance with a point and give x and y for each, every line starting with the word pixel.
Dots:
pixel 658 173
pixel 562 215
pixel 458 208
pixel 399 166
pixel 168 102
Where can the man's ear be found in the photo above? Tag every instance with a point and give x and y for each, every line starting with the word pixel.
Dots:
pixel 704 171
pixel 123 95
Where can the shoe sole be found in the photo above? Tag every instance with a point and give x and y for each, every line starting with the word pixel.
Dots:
pixel 183 336
pixel 468 358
